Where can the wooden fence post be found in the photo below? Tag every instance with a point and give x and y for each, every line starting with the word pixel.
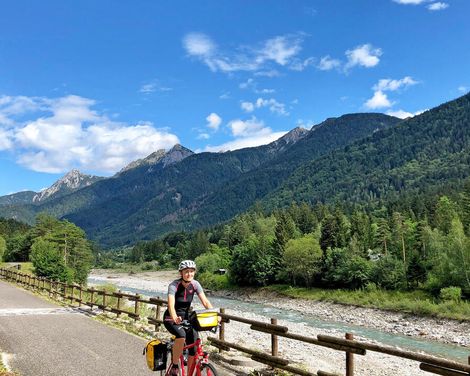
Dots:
pixel 274 340
pixel 349 358
pixel 118 305
pixel 136 308
pixel 222 329
pixel 157 315
pixel 92 291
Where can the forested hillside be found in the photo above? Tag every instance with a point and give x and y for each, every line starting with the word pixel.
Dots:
pixel 239 194
pixel 427 153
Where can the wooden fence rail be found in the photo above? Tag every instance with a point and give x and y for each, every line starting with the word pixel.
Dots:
pixel 131 305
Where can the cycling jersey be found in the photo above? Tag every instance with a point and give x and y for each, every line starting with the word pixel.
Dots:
pixel 183 299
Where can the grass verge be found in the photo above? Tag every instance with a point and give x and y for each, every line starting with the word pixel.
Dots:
pixel 415 302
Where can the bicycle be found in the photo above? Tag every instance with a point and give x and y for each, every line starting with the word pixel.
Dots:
pixel 201 365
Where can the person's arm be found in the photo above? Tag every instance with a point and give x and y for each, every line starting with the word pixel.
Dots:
pixel 203 298
pixel 171 309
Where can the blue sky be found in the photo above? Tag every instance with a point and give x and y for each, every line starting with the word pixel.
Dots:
pixel 95 85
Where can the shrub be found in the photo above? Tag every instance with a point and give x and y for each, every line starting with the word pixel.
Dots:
pixel 451 294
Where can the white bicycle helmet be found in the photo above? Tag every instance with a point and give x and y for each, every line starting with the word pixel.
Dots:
pixel 187 264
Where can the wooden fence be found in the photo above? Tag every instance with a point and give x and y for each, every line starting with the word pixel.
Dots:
pixel 131 305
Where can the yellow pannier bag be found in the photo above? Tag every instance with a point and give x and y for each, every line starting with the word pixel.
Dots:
pixel 156 354
pixel 204 319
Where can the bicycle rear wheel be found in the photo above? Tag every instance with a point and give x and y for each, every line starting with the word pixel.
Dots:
pixel 208 370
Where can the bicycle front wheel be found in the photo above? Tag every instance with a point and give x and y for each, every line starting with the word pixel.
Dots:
pixel 208 370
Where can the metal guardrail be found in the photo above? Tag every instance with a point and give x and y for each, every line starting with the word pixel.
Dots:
pixel 115 302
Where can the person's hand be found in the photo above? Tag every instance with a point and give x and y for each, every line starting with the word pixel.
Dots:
pixel 178 320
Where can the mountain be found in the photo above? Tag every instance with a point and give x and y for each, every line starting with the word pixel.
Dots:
pixel 423 154
pixel 19 198
pixel 72 181
pixel 176 154
pixel 208 188
pixel 238 195
pixel 180 190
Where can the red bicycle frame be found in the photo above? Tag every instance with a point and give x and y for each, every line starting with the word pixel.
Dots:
pixel 201 357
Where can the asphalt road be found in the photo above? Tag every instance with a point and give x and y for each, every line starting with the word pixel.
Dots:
pixel 48 340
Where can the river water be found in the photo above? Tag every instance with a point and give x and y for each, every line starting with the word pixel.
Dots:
pixel 448 351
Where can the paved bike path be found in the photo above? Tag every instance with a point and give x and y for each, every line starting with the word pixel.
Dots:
pixel 48 340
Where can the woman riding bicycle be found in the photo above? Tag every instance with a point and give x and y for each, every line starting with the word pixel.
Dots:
pixel 180 296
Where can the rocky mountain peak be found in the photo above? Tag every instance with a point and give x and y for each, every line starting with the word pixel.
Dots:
pixel 176 154
pixel 71 181
pixel 290 138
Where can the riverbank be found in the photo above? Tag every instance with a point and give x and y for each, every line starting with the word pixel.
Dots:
pixel 447 331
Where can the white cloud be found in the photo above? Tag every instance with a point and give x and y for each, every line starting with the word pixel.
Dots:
pixel 463 89
pixel 247 106
pixel 408 2
pixel 247 84
pixel 153 87
pixel 70 134
pixel 327 63
pixel 280 50
pixel 148 88
pixel 248 128
pixel 299 65
pixel 203 136
pixel 246 142
pixel 438 6
pixel 404 114
pixel 198 44
pixel 365 55
pixel 379 100
pixel 387 84
pixel 270 73
pixel 5 139
pixel 213 121
pixel 273 105
pixel 247 133
pixel 225 95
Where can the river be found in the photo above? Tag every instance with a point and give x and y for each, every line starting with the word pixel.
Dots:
pixel 448 351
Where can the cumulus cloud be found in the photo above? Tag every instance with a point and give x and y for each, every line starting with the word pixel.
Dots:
pixel 280 50
pixel 68 133
pixel 438 6
pixel 247 106
pixel 247 133
pixel 213 121
pixel 404 114
pixel 273 105
pixel 379 100
pixel 327 63
pixel 198 44
pixel 365 56
pixel 388 84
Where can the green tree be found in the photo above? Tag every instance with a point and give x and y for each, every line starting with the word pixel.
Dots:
pixel 446 212
pixel 301 259
pixel 252 262
pixel 47 260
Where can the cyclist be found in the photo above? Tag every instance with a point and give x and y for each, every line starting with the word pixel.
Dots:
pixel 180 295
